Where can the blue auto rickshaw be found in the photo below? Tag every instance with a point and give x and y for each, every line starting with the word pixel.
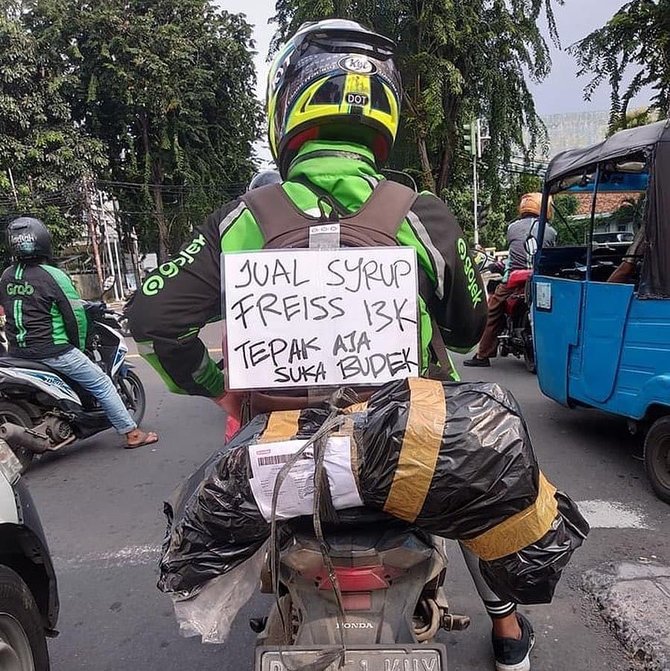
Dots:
pixel 601 303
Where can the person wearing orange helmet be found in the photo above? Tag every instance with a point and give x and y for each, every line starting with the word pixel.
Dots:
pixel 518 232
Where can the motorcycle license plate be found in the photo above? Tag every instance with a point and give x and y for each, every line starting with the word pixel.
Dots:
pixel 377 658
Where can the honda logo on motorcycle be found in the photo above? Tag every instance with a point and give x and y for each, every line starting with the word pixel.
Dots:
pixel 355 625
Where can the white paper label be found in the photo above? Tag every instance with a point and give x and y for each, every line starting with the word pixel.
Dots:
pixel 326 236
pixel 543 295
pixel 322 317
pixel 296 496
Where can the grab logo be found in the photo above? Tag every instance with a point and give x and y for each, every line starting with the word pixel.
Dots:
pixel 24 289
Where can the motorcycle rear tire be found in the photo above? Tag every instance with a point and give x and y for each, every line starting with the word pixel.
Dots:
pixel 131 387
pixel 11 412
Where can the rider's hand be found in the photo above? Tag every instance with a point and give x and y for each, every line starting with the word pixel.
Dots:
pixel 231 404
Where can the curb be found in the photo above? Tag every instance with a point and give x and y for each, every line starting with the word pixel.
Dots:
pixel 634 598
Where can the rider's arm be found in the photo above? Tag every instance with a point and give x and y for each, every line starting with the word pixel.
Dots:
pixel 69 304
pixel 459 303
pixel 176 301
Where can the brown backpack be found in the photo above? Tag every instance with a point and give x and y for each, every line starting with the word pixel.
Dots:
pixel 375 224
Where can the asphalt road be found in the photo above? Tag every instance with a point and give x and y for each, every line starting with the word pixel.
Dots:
pixel 102 510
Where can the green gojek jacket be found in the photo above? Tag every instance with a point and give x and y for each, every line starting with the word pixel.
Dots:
pixel 183 295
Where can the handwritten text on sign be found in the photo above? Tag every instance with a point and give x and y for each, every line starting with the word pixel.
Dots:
pixel 301 317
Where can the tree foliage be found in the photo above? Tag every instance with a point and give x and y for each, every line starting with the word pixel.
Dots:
pixel 43 153
pixel 459 59
pixel 631 52
pixel 168 86
pixel 152 99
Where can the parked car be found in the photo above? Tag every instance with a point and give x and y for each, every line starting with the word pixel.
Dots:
pixel 28 590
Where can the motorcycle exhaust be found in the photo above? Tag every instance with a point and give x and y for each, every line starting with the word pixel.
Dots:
pixel 19 436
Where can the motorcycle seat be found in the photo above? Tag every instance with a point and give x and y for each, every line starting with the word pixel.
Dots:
pixel 30 364
pixel 518 278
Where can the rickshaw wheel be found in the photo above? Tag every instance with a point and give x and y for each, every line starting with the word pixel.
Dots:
pixel 657 457
pixel 528 351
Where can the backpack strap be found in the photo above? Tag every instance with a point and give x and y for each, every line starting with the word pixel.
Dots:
pixel 383 212
pixel 386 209
pixel 273 210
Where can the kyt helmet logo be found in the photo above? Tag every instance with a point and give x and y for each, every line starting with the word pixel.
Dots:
pixel 358 65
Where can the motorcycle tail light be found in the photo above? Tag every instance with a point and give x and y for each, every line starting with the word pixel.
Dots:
pixel 355 579
pixel 361 579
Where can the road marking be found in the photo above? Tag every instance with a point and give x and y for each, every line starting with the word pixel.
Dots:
pixel 131 555
pixel 213 350
pixel 599 514
pixel 613 515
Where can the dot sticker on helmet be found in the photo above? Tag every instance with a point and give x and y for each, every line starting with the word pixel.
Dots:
pixel 357 99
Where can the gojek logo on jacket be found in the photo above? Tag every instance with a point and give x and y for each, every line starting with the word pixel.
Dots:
pixel 470 272
pixel 23 289
pixel 156 281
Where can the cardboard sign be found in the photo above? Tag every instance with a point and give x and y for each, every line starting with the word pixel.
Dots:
pixel 327 317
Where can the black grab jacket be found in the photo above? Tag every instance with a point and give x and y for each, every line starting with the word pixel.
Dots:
pixel 45 315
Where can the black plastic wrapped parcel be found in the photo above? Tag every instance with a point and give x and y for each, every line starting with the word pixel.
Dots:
pixel 454 459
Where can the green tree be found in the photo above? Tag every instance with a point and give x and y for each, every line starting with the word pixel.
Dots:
pixel 168 86
pixel 633 119
pixel 634 43
pixel 43 153
pixel 459 59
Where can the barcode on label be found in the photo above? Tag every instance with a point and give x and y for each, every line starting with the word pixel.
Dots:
pixel 274 459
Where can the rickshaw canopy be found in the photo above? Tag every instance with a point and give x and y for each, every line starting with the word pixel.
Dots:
pixel 653 141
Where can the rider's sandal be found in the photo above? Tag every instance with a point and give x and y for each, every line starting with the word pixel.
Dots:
pixel 149 438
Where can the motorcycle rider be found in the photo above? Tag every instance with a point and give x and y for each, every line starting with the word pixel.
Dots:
pixel 263 178
pixel 334 95
pixel 518 232
pixel 46 322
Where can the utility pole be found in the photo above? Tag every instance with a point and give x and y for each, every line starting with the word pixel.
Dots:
pixel 91 230
pixel 475 178
pixel 115 272
pixel 473 144
pixel 11 181
pixel 473 147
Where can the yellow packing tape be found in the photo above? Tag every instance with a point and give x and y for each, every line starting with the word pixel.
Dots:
pixel 282 425
pixel 520 530
pixel 420 449
pixel 356 407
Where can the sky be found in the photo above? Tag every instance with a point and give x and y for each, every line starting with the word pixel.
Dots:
pixel 561 92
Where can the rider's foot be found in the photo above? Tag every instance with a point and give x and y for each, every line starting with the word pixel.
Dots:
pixel 138 438
pixel 478 362
pixel 514 654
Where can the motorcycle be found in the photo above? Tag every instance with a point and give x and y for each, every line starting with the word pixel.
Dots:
pixel 391 601
pixel 516 337
pixel 41 410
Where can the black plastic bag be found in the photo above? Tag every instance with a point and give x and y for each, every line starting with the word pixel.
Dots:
pixel 453 459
